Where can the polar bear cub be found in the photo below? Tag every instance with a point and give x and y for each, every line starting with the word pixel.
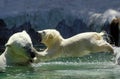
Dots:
pixel 75 46
pixel 19 50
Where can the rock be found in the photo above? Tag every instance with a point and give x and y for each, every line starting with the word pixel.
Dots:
pixel 4 34
pixel 114 31
pixel 66 31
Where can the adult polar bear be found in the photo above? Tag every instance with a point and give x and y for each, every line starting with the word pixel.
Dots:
pixel 19 50
pixel 78 45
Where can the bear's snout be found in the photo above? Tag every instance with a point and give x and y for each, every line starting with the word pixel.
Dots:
pixel 39 35
pixel 31 53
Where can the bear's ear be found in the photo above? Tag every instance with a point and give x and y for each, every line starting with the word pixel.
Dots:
pixel 24 31
pixel 7 45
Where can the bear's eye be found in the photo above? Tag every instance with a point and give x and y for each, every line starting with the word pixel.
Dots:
pixel 43 32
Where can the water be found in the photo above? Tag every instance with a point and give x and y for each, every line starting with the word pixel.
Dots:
pixel 88 67
pixel 62 70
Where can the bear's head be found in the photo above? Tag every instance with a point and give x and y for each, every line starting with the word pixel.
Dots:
pixel 20 48
pixel 50 37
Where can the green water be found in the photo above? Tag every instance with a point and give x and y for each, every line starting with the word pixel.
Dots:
pixel 95 67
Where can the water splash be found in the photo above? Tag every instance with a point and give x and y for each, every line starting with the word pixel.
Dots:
pixel 117 55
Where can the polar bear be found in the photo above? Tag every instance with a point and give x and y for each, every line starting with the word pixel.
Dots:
pixel 19 50
pixel 75 46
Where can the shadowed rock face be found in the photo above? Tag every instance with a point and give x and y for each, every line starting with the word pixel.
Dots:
pixel 114 31
pixel 5 33
pixel 66 31
pixel 2 24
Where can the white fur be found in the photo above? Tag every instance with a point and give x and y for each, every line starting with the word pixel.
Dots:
pixel 78 45
pixel 16 50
